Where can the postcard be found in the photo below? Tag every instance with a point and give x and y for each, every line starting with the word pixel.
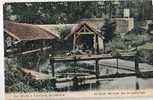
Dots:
pixel 78 49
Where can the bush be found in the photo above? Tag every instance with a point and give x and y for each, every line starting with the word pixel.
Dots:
pixel 12 75
pixel 108 28
pixel 146 56
pixel 21 87
pixel 64 32
pixel 32 61
pixel 116 43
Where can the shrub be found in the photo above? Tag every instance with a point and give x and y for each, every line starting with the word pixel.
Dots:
pixel 21 87
pixel 12 75
pixel 64 32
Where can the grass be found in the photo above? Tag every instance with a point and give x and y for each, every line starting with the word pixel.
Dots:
pixel 146 46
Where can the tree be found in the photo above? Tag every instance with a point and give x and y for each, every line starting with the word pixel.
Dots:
pixel 55 12
pixel 109 30
pixel 45 13
pixel 64 31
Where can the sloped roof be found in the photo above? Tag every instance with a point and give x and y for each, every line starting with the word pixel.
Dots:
pixel 23 31
pixel 56 28
pixel 77 27
pixel 96 23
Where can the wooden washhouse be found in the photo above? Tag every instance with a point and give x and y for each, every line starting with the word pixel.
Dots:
pixel 85 37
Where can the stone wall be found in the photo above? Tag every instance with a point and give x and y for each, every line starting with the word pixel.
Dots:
pixel 124 24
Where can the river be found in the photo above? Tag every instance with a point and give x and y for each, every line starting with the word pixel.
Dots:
pixel 108 67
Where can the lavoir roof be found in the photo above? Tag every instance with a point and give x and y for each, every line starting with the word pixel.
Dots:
pixel 23 31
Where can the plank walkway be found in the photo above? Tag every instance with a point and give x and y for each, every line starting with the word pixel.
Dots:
pixel 119 67
pixel 88 57
pixel 29 51
pixel 37 75
pixel 68 81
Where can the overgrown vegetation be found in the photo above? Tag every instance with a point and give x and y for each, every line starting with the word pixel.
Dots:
pixel 70 12
pixel 32 61
pixel 64 32
pixel 137 39
pixel 18 81
pixel 108 29
pixel 14 80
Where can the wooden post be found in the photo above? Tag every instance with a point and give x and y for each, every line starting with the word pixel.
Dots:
pixel 75 64
pixel 137 65
pixel 53 72
pixel 97 45
pixel 137 85
pixel 97 69
pixel 94 43
pixel 75 83
pixel 74 41
pixel 52 65
pixel 117 64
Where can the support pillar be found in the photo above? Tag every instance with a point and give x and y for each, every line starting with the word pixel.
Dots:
pixel 97 68
pixel 74 42
pixel 137 71
pixel 75 64
pixel 97 45
pixel 53 72
pixel 117 65
pixel 94 44
pixel 52 65
pixel 137 85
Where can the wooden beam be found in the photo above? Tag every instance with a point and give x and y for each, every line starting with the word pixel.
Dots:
pixel 97 68
pixel 52 65
pixel 94 43
pixel 97 45
pixel 84 28
pixel 31 51
pixel 74 41
pixel 11 34
pixel 137 65
pixel 87 58
pixel 87 29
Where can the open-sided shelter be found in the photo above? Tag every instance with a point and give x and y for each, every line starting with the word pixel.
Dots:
pixel 23 37
pixel 85 37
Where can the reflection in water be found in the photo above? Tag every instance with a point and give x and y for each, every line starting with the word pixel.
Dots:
pixel 83 87
pixel 103 84
pixel 137 84
pixel 132 83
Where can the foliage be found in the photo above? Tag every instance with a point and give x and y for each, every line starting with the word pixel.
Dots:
pixel 64 32
pixel 14 78
pixel 146 56
pixel 31 61
pixel 12 75
pixel 53 12
pixel 136 38
pixel 21 87
pixel 116 53
pixel 132 39
pixel 146 46
pixel 108 28
pixel 116 43
pixel 137 31
pixel 70 12
pixel 17 81
pixel 150 28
